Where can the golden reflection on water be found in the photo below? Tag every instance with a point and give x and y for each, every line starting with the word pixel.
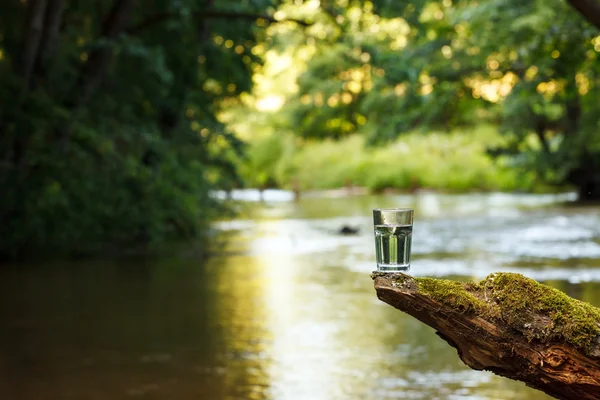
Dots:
pixel 302 327
pixel 246 331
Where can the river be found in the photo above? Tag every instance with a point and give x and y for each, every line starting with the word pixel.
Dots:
pixel 286 309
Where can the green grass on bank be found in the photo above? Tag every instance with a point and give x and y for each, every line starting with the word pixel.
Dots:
pixel 454 161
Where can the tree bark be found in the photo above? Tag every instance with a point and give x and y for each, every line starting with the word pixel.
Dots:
pixel 510 325
pixel 589 9
pixel 540 131
pixel 31 41
pixel 49 39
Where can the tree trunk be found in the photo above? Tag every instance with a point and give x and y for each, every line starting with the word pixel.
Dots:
pixel 48 43
pixel 31 41
pixel 589 9
pixel 510 325
pixel 589 190
pixel 586 177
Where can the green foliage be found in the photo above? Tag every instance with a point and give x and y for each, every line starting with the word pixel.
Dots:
pixel 108 125
pixel 258 168
pixel 112 119
pixel 381 69
pixel 460 163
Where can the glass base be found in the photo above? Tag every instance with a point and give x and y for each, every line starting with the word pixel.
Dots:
pixel 393 267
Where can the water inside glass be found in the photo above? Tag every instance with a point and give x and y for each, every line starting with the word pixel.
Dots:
pixel 393 238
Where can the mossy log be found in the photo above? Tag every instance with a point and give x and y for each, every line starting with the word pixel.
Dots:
pixel 510 325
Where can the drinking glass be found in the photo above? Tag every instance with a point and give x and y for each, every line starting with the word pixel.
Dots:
pixel 393 237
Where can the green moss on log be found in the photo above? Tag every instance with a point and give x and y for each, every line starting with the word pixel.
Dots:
pixel 542 312
pixel 456 294
pixel 537 311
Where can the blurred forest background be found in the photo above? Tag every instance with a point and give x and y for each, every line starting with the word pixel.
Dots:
pixel 119 119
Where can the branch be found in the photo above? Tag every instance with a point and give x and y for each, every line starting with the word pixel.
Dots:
pixel 161 17
pixel 589 9
pixel 510 325
pixel 540 131
pixel 93 70
pixel 99 59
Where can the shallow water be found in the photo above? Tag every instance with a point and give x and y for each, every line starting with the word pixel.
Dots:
pixel 287 310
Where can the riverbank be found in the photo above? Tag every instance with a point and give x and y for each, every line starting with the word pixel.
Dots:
pixel 456 161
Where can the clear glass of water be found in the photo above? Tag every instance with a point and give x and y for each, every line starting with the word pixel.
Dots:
pixel 393 238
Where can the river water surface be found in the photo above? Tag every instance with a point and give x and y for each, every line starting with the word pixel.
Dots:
pixel 286 310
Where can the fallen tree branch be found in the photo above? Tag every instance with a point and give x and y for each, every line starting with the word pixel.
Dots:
pixel 510 325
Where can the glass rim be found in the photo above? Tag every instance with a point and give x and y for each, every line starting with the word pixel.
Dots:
pixel 394 209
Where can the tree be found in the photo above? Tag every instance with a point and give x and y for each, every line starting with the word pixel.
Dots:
pixel 552 53
pixel 108 127
pixel 383 68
